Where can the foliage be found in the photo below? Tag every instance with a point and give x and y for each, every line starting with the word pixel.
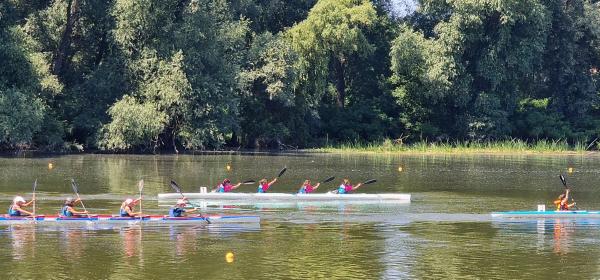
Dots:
pixel 154 75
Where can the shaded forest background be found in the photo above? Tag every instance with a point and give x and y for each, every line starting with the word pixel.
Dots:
pixel 174 75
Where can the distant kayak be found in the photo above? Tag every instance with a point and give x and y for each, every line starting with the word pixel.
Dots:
pixel 548 214
pixel 388 197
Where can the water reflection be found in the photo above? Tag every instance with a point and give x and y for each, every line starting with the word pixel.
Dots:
pixel 22 241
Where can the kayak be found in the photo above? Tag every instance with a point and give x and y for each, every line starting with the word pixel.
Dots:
pixel 547 214
pixel 225 219
pixel 391 197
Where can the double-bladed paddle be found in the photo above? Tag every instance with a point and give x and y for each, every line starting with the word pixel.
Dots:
pixel 564 182
pixel 76 190
pixel 141 188
pixel 176 187
pixel 33 197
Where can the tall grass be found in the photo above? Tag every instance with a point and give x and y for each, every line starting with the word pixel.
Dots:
pixel 504 146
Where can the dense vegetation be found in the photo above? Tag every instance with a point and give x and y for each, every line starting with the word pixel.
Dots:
pixel 172 75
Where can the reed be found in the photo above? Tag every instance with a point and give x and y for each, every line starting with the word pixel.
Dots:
pixel 459 147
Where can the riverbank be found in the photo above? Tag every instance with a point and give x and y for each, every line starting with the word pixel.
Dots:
pixel 499 147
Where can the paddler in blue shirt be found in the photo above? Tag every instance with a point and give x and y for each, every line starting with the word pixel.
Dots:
pixel 179 209
pixel 69 211
pixel 126 209
pixel 16 208
pixel 346 187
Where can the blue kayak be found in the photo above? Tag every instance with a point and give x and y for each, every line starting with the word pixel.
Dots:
pixel 548 214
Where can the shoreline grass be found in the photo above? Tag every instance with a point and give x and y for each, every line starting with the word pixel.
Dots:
pixel 467 147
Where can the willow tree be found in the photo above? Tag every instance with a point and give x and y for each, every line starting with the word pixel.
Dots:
pixel 324 42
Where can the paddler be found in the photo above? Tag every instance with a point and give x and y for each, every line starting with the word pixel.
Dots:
pixel 69 211
pixel 226 186
pixel 307 187
pixel 16 208
pixel 562 203
pixel 126 209
pixel 264 185
pixel 179 209
pixel 346 187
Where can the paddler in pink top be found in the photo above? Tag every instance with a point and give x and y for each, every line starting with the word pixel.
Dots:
pixel 263 185
pixel 307 187
pixel 346 187
pixel 226 186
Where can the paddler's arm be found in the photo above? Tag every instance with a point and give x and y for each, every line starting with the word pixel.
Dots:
pixel 357 186
pixel 316 186
pixel 72 210
pixel 272 182
pixel 131 213
pixel 29 203
pixel 18 208
pixel 236 186
pixel 566 199
pixel 191 210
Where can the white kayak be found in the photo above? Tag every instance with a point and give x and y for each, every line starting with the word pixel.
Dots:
pixel 388 197
pixel 547 214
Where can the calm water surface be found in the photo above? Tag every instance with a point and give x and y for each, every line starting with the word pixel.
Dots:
pixel 444 233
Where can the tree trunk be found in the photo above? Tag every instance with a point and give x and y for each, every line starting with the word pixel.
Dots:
pixel 340 83
pixel 64 46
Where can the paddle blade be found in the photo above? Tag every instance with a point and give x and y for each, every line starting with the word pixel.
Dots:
pixel 563 180
pixel 328 180
pixel 175 187
pixel 141 185
pixel 248 182
pixel 281 172
pixel 74 186
pixel 369 182
pixel 34 185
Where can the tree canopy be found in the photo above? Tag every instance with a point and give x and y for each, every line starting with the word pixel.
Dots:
pixel 176 75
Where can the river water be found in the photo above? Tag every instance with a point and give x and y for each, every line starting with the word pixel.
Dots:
pixel 446 232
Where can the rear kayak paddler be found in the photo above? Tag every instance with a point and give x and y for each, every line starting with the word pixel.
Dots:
pixel 126 209
pixel 68 209
pixel 346 187
pixel 562 203
pixel 16 208
pixel 264 185
pixel 307 187
pixel 226 186
pixel 179 209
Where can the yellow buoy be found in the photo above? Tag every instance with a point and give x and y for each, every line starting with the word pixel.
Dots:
pixel 400 169
pixel 229 257
pixel 228 167
pixel 50 166
pixel 570 169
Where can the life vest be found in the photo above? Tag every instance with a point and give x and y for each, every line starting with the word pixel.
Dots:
pixel 65 211
pixel 123 212
pixel 13 212
pixel 306 189
pixel 262 188
pixel 343 189
pixel 561 207
pixel 176 212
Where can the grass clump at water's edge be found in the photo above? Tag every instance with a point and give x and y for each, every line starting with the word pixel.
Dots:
pixel 504 146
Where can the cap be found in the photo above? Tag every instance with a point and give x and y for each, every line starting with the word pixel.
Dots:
pixel 18 199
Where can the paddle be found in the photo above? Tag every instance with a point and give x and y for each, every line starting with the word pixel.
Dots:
pixel 177 189
pixel 76 190
pixel 281 172
pixel 564 182
pixel 141 188
pixel 248 182
pixel 33 197
pixel 327 180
